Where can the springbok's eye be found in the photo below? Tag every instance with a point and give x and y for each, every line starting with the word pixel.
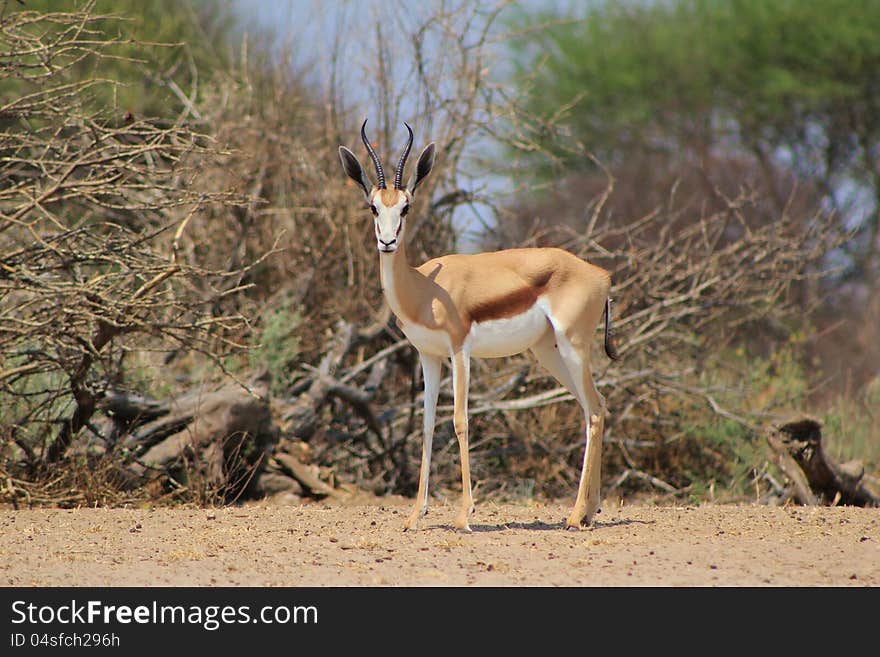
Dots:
pixel 404 210
pixel 374 210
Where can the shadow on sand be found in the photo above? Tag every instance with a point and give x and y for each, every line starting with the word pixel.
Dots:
pixel 538 525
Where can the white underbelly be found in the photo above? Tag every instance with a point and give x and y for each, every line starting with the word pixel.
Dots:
pixel 505 337
pixel 427 341
pixel 494 338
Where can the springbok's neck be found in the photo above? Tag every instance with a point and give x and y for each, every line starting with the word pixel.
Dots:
pixel 397 278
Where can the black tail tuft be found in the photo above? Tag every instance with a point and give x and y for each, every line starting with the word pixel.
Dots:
pixel 610 347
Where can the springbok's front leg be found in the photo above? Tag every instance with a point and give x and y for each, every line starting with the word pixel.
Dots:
pixel 431 369
pixel 461 366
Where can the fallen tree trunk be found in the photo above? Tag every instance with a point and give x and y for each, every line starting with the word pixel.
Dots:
pixel 226 434
pixel 815 477
pixel 223 441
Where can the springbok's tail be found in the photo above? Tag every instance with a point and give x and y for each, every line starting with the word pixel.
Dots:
pixel 610 347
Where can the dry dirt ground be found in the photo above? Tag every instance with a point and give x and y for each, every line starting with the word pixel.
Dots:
pixel 361 544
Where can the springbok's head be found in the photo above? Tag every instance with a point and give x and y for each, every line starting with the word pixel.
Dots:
pixel 389 206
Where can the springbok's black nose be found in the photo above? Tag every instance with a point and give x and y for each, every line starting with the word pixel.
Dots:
pixel 384 243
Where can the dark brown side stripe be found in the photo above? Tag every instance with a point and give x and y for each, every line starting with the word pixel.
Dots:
pixel 506 306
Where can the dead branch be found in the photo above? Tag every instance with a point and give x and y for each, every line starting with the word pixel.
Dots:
pixel 305 474
pixel 816 476
pixel 89 203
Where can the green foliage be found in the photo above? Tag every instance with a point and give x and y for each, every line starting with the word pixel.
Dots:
pixel 793 82
pixel 279 345
pixel 852 426
pixel 144 372
pixel 162 50
pixel 731 447
pixel 766 391
pixel 637 72
pixel 37 391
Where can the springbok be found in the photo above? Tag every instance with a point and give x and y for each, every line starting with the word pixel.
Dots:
pixel 488 305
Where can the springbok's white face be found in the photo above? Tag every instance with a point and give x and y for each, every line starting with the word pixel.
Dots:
pixel 389 206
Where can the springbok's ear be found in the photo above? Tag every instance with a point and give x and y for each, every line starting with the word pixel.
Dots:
pixel 423 168
pixel 354 170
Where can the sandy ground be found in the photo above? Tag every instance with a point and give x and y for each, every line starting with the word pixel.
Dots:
pixel 511 545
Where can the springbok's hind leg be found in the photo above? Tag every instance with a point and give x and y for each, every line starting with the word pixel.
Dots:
pixel 547 353
pixel 460 383
pixel 571 368
pixel 587 501
pixel 575 357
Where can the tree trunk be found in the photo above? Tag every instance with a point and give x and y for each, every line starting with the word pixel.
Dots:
pixel 815 476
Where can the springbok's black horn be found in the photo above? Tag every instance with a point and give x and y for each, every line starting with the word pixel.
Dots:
pixel 379 173
pixel 398 177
